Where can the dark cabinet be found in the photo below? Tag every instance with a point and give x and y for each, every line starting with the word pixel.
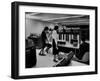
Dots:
pixel 30 54
pixel 30 57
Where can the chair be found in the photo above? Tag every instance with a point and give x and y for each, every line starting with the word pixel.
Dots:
pixel 85 58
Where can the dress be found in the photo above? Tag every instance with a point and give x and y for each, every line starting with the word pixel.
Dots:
pixel 44 38
pixel 54 42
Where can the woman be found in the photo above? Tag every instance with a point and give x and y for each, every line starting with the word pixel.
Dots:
pixel 55 47
pixel 49 40
pixel 44 40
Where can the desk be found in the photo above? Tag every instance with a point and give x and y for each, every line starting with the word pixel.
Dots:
pixel 69 45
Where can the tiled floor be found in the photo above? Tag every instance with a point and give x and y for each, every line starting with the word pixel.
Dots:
pixel 47 61
pixel 44 61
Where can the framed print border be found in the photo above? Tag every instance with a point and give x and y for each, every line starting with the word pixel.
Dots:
pixel 15 39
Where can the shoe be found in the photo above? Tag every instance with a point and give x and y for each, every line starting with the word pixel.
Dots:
pixel 42 54
pixel 45 53
pixel 55 60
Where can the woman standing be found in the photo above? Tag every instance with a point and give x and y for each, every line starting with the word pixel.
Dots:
pixel 49 42
pixel 55 47
pixel 44 40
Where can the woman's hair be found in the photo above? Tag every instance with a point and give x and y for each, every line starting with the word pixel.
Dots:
pixel 56 27
pixel 46 28
pixel 83 39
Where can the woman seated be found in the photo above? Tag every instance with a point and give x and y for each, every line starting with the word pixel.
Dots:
pixel 83 55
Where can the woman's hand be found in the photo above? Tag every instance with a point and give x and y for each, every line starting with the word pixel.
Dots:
pixel 57 47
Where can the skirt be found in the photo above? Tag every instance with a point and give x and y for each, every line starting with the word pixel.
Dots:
pixel 55 50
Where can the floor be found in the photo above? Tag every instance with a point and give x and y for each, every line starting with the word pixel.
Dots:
pixel 47 61
pixel 44 61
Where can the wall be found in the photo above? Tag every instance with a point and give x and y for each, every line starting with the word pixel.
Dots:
pixel 5 40
pixel 35 26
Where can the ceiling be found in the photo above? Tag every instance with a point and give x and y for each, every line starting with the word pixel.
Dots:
pixel 64 19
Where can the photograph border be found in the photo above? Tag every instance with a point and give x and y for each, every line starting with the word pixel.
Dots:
pixel 15 39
